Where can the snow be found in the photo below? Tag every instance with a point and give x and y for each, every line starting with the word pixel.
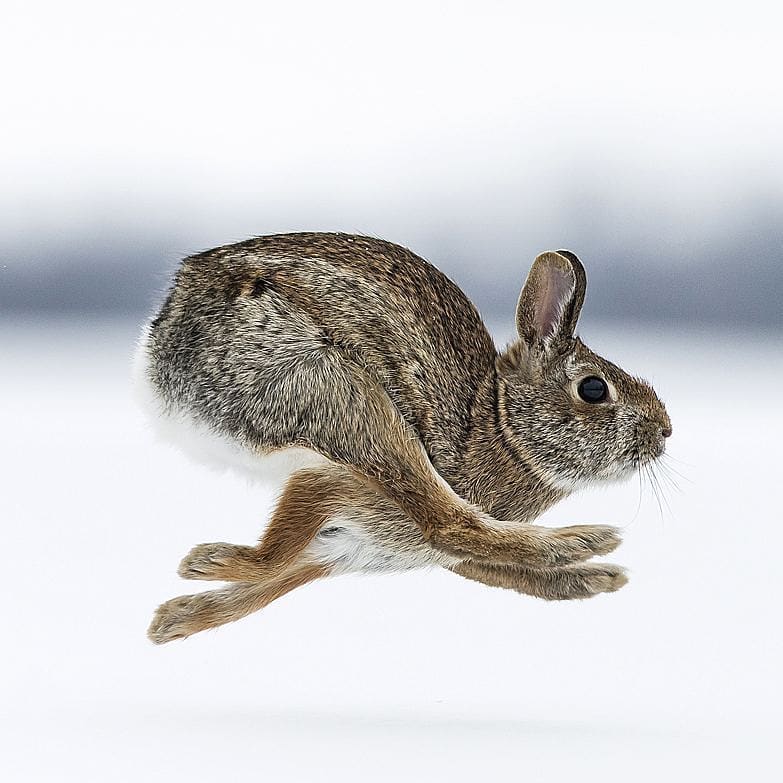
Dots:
pixel 413 676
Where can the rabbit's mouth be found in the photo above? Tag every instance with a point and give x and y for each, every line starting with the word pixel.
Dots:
pixel 650 440
pixel 642 455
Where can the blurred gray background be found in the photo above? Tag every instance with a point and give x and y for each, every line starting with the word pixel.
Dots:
pixel 645 138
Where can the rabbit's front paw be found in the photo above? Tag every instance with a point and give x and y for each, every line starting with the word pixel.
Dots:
pixel 581 581
pixel 573 544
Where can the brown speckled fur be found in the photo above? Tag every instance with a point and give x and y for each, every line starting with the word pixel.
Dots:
pixel 363 352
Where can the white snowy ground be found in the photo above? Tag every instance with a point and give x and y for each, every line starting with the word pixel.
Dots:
pixel 417 677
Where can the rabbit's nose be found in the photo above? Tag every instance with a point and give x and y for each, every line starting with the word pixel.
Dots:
pixel 665 423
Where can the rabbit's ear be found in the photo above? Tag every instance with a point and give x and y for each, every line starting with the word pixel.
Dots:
pixel 552 298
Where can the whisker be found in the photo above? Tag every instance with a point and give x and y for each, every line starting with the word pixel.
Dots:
pixel 660 490
pixel 664 461
pixel 665 475
pixel 653 487
pixel 678 461
pixel 639 504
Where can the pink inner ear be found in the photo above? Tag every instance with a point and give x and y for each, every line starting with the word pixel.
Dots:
pixel 556 290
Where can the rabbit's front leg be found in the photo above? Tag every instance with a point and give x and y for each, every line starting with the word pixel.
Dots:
pixel 583 580
pixel 488 540
pixel 383 450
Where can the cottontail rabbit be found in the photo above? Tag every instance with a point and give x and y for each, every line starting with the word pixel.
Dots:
pixel 413 442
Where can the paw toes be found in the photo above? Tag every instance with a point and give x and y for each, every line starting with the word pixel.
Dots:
pixel 588 540
pixel 596 579
pixel 206 561
pixel 563 550
pixel 607 581
pixel 604 539
pixel 168 622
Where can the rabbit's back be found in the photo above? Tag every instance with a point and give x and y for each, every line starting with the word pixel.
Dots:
pixel 293 300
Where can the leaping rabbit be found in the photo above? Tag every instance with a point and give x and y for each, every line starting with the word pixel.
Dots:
pixel 411 440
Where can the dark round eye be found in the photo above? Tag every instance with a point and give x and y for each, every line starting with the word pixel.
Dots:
pixel 592 389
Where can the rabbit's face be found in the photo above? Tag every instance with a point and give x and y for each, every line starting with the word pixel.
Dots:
pixel 579 418
pixel 575 416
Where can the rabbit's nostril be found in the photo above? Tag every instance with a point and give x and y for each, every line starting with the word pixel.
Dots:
pixel 666 431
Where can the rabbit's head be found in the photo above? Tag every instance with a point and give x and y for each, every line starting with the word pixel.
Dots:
pixel 573 415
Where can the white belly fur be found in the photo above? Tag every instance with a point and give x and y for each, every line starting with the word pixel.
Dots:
pixel 357 549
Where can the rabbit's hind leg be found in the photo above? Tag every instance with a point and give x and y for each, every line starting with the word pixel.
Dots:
pixel 310 498
pixel 188 614
pixel 562 583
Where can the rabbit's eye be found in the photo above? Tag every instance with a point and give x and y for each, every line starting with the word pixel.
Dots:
pixel 592 389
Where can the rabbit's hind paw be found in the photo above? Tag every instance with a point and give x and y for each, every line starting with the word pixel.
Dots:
pixel 220 561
